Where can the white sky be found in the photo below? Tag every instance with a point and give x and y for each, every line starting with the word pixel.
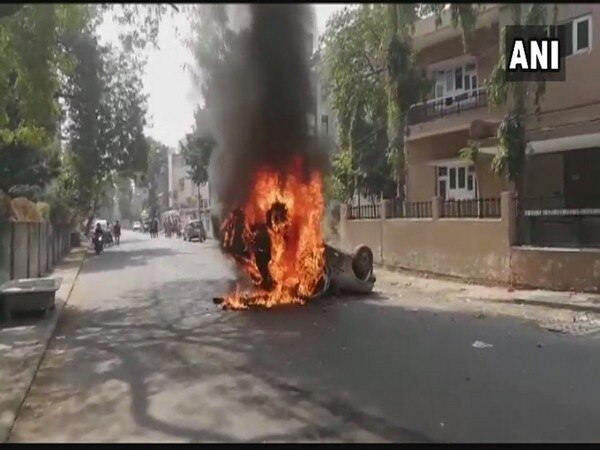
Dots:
pixel 172 96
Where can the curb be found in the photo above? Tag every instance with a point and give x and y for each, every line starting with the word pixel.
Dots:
pixel 547 304
pixel 48 334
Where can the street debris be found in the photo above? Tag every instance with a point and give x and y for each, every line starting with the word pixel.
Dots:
pixel 481 344
pixel 218 300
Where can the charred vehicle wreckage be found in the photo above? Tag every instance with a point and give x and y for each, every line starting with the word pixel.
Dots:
pixel 269 169
pixel 255 249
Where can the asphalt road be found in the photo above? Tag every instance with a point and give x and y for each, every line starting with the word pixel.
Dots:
pixel 142 354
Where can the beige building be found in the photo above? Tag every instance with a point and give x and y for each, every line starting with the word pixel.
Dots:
pixel 183 193
pixel 461 219
pixel 562 160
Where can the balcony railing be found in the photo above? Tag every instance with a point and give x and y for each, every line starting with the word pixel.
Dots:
pixel 446 106
pixel 477 207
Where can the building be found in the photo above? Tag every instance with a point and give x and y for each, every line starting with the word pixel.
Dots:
pixel 562 137
pixel 462 219
pixel 326 118
pixel 191 201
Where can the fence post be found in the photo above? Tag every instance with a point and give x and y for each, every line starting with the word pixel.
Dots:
pixel 12 250
pixel 48 263
pixel 383 211
pixel 507 211
pixel 39 252
pixel 344 217
pixel 28 249
pixel 437 207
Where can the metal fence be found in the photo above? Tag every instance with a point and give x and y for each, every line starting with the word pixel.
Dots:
pixel 368 211
pixel 29 250
pixel 477 208
pixel 553 221
pixel 445 106
pixel 409 210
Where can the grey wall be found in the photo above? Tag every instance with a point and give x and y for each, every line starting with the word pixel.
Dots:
pixel 29 250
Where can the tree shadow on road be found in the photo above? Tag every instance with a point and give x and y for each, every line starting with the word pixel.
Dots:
pixel 264 364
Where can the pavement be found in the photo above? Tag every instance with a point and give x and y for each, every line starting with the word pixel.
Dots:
pixel 141 354
pixel 23 343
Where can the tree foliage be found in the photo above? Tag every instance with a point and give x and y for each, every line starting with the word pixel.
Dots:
pixel 57 85
pixel 105 120
pixel 197 150
pixel 512 141
pixel 372 73
pixel 210 41
pixel 158 155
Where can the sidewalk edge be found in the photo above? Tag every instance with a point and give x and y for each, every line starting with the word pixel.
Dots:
pixel 49 334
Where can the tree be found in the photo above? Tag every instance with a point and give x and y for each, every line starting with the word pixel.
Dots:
pixel 106 116
pixel 524 96
pixel 406 84
pixel 210 42
pixel 372 73
pixel 512 139
pixel 157 168
pixel 197 150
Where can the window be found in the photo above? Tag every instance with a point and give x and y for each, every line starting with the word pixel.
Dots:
pixel 456 181
pixel 325 125
pixel 324 91
pixel 442 188
pixel 578 34
pixel 461 177
pixel 455 81
pixel 458 78
pixel 582 34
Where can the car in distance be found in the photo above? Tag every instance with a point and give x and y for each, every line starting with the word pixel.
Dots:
pixel 194 230
pixel 137 226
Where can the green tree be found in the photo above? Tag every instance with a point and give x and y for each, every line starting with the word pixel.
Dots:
pixel 372 73
pixel 209 42
pixel 106 116
pixel 157 169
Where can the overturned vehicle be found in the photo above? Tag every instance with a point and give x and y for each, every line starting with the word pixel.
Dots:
pixel 286 266
pixel 348 273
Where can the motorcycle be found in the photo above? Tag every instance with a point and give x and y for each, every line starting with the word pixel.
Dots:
pixel 98 244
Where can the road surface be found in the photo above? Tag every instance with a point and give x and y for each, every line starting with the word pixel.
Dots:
pixel 142 354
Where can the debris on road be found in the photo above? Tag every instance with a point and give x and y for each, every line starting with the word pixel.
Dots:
pixel 218 300
pixel 481 344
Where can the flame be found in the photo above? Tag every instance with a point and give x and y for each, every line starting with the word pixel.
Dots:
pixel 276 239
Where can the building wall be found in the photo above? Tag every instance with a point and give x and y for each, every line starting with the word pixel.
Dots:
pixel 473 249
pixel 476 249
pixel 582 85
pixel 557 269
pixel 568 108
pixel 421 177
pixel 543 175
pixel 186 195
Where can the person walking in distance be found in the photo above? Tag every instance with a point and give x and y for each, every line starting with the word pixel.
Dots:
pixel 117 232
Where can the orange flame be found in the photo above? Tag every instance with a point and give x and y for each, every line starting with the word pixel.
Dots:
pixel 289 211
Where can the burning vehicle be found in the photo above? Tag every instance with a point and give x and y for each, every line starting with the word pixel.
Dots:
pixel 269 169
pixel 276 239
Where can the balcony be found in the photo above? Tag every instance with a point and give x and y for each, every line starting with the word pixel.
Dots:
pixel 447 106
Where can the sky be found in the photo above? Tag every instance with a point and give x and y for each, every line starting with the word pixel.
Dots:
pixel 172 97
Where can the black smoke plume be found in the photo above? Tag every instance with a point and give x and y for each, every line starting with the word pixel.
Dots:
pixel 263 99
